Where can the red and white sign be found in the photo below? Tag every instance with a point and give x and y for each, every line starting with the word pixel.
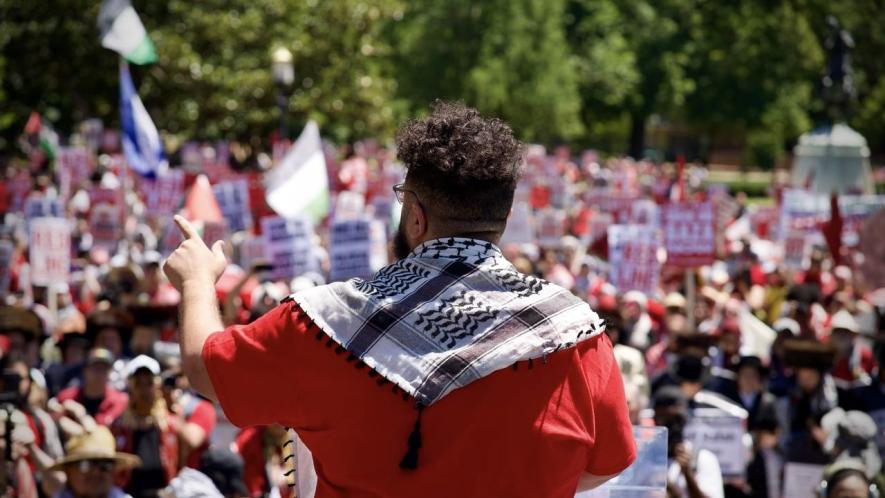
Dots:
pixel 163 196
pixel 689 233
pixel 104 225
pixel 50 251
pixel 633 261
pixel 551 227
pixel 795 250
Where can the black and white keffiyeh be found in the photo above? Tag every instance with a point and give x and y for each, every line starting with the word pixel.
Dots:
pixel 452 312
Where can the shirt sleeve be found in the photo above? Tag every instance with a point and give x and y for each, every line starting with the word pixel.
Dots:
pixel 250 367
pixel 204 416
pixel 614 448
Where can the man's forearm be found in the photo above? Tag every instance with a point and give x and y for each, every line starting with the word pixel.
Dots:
pixel 199 319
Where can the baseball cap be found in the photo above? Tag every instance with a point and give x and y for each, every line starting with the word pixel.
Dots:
pixel 844 320
pixel 100 355
pixel 142 362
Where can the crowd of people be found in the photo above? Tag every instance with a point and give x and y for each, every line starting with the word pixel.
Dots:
pixel 96 404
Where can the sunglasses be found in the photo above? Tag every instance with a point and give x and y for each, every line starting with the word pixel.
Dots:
pixel 85 466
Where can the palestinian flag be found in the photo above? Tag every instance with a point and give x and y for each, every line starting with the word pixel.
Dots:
pixel 122 32
pixel 39 137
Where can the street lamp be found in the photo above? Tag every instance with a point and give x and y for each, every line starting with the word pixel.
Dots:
pixel 283 76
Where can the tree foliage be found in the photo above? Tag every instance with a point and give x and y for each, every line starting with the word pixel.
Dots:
pixel 593 72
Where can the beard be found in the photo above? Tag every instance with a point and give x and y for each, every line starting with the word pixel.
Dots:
pixel 401 248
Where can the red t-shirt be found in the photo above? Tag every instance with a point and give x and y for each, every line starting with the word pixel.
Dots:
pixel 112 405
pixel 204 416
pixel 529 432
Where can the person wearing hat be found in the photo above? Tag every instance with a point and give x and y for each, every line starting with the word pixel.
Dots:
pixel 852 434
pixel 147 429
pixel 89 466
pixel 846 478
pixel 780 381
pixel 855 362
pixel 101 401
pixel 23 329
pixel 812 396
pixel 691 472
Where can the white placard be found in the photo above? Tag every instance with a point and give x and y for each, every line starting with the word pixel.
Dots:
pixel 288 244
pixel 689 233
pixel 551 227
pixel 632 257
pixel 349 205
pixel 801 480
pixel 519 225
pixel 233 199
pixel 163 195
pixel 50 251
pixel 37 206
pixel 104 225
pixel 357 248
pixel 723 435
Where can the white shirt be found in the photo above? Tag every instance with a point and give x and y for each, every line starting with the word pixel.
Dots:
pixel 706 473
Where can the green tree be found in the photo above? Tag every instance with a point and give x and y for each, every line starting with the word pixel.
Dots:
pixel 508 58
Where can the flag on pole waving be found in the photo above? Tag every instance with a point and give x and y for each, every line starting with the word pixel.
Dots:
pixel 141 141
pixel 122 32
pixel 299 183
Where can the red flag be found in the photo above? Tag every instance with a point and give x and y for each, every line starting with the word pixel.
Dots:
pixel 832 229
pixel 33 125
pixel 200 204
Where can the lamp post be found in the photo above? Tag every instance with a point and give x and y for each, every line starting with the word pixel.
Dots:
pixel 283 76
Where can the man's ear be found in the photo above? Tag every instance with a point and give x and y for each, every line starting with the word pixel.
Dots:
pixel 416 226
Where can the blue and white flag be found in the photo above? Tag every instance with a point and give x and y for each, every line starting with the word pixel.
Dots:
pixel 141 142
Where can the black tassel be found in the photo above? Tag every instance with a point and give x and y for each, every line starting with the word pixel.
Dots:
pixel 410 460
pixel 531 364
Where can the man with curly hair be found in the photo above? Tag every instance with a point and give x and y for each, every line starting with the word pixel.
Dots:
pixel 448 373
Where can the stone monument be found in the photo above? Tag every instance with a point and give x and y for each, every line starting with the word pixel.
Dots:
pixel 834 157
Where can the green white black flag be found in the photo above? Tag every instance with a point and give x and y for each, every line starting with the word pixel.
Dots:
pixel 122 32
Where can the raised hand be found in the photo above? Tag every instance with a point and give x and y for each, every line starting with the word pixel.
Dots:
pixel 193 260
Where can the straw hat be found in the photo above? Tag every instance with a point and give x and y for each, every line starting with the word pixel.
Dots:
pixel 96 445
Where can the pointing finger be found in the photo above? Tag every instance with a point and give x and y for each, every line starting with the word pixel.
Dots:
pixel 187 230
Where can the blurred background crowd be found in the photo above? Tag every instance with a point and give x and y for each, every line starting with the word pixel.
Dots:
pixel 776 350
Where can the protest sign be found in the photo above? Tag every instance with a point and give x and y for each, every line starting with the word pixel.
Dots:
pixel 171 238
pixel 801 480
pixel 633 258
pixel 805 211
pixel 6 249
pixel 164 195
pixel 551 227
pixel 349 205
pixel 104 225
pixel 38 206
pixel 251 250
pixel 519 226
pixel 233 199
pixel 689 233
pixel 872 245
pixel 73 168
pixel 763 221
pixel 795 250
pixel 357 248
pixel 620 206
pixel 288 244
pixel 644 212
pixel 50 251
pixel 19 187
pixel 214 231
pixel 721 434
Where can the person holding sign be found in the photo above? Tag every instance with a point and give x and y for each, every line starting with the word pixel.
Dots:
pixel 448 373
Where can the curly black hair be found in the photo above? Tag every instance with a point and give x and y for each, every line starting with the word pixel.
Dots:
pixel 464 166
